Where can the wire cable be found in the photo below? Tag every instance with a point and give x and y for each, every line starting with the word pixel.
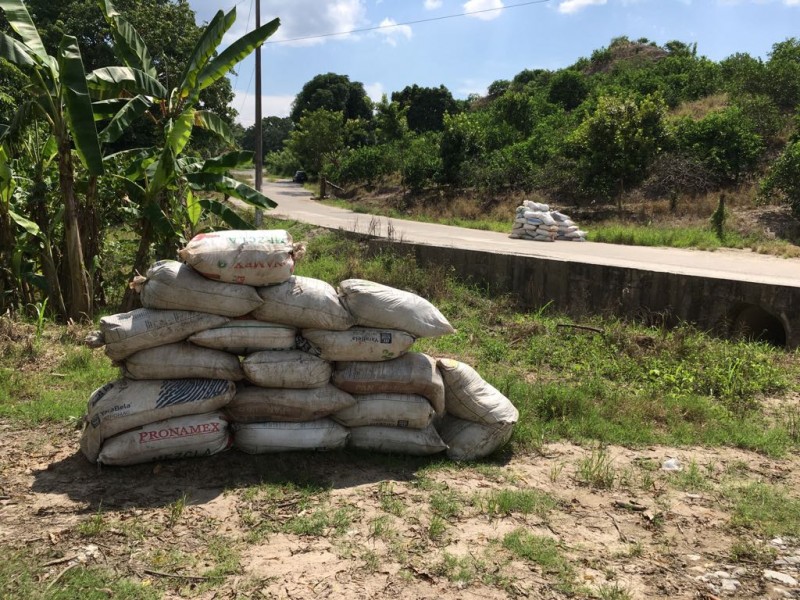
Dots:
pixel 418 21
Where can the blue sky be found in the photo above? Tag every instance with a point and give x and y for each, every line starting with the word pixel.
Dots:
pixel 467 53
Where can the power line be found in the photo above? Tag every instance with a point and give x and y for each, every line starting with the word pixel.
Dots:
pixel 418 21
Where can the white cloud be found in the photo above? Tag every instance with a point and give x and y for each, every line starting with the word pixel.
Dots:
pixel 392 31
pixel 791 2
pixel 475 6
pixel 308 18
pixel 572 6
pixel 375 91
pixel 433 4
pixel 245 103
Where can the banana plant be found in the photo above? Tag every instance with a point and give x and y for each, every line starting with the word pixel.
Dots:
pixel 161 182
pixel 58 93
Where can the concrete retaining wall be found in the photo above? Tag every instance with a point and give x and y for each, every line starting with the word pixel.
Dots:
pixel 721 306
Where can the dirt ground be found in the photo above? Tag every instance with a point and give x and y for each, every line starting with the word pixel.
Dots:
pixel 348 525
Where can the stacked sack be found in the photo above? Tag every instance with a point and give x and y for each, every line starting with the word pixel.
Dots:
pixel 233 337
pixel 535 221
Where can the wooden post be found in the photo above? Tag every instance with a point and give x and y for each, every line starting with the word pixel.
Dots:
pixel 323 186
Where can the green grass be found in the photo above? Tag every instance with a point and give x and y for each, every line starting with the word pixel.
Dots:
pixel 21 579
pixel 702 238
pixel 58 392
pixel 766 509
pixel 542 551
pixel 512 501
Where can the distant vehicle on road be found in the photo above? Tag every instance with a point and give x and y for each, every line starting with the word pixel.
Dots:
pixel 300 177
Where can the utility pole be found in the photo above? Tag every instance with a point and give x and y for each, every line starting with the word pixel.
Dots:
pixel 259 158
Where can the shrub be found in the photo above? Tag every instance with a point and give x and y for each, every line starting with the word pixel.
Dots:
pixel 784 177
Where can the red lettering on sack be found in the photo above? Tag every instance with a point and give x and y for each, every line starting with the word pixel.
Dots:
pixel 178 432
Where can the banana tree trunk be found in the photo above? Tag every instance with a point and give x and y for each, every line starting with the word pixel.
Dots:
pixel 37 208
pixel 140 263
pixel 79 307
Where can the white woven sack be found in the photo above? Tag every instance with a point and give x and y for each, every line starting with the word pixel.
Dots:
pixel 467 440
pixel 182 361
pixel 181 437
pixel 387 410
pixel 170 285
pixel 303 302
pixel 257 257
pixel 397 440
pixel 126 333
pixel 245 336
pixel 412 373
pixel 264 438
pixel 125 404
pixel 537 206
pixel 376 305
pixel 469 397
pixel 286 369
pixel 255 404
pixel 358 343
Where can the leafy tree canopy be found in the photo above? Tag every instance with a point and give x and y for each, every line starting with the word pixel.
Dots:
pixel 335 93
pixel 274 132
pixel 426 106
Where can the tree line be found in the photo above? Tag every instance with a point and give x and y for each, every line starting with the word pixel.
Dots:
pixel 635 117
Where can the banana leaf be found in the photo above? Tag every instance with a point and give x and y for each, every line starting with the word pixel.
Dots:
pixel 180 131
pixel 28 225
pixel 193 208
pixel 106 109
pixel 112 81
pixel 214 182
pixel 128 44
pixel 132 110
pixel 15 52
pixel 236 52
pixel 79 106
pixel 241 159
pixel 215 124
pixel 226 214
pixel 204 49
pixel 20 20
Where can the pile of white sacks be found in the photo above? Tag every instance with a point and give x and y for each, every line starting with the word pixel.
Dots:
pixel 231 348
pixel 535 221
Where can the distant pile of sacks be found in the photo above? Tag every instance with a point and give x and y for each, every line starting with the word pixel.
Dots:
pixel 535 221
pixel 231 348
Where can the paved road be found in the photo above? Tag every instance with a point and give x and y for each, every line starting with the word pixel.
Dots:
pixel 294 202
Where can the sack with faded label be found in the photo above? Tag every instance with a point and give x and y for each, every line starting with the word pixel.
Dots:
pixel 180 437
pixel 359 343
pixel 467 440
pixel 126 333
pixel 245 336
pixel 387 410
pixel 263 438
pixel 257 257
pixel 286 369
pixel 376 305
pixel 412 373
pixel 171 285
pixel 468 396
pixel 397 440
pixel 253 404
pixel 183 361
pixel 303 302
pixel 125 404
